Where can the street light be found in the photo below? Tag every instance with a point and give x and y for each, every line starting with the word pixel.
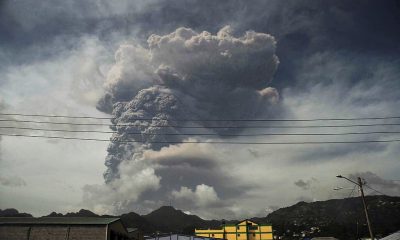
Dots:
pixel 341 188
pixel 359 184
pixel 340 176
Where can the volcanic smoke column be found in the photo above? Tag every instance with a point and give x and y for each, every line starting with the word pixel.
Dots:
pixel 185 75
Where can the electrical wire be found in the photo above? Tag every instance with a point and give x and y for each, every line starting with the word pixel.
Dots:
pixel 54 116
pixel 210 127
pixel 203 134
pixel 207 142
pixel 352 191
pixel 207 120
pixel 60 130
pixel 375 190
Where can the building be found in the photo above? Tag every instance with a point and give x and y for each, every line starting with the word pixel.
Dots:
pixel 63 228
pixel 135 233
pixel 245 230
pixel 394 236
pixel 174 236
pixel 324 238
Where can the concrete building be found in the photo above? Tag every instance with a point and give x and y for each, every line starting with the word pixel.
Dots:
pixel 245 230
pixel 63 228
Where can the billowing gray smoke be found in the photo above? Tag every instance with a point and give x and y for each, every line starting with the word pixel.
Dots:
pixel 186 75
pixel 178 77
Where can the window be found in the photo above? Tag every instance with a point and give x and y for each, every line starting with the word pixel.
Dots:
pixel 212 235
pixel 253 227
pixel 254 234
pixel 238 234
pixel 238 227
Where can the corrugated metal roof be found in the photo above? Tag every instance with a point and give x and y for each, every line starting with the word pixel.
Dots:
pixel 394 236
pixel 58 220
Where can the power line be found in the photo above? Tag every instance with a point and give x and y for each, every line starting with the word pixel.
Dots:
pixel 207 120
pixel 208 142
pixel 54 116
pixel 374 189
pixel 205 134
pixel 59 130
pixel 211 127
pixel 56 123
pixel 352 191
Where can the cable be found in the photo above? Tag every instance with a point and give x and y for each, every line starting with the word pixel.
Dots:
pixel 375 190
pixel 342 204
pixel 59 130
pixel 205 134
pixel 207 120
pixel 210 127
pixel 54 116
pixel 352 191
pixel 55 123
pixel 195 142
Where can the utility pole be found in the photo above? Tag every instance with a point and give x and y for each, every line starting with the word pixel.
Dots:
pixel 365 208
pixel 360 184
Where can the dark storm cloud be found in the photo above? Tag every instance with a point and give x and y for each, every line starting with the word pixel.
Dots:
pixel 338 54
pixel 301 27
pixel 303 184
pixel 386 186
pixel 348 84
pixel 12 181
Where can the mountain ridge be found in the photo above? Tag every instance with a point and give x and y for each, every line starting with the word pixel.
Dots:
pixel 334 217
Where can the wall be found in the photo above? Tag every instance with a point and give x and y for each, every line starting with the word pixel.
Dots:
pixel 52 232
pixel 245 230
pixel 14 232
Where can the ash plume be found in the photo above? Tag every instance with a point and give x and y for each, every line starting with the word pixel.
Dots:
pixel 177 78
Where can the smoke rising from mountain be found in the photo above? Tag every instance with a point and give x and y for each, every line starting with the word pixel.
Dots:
pixel 186 75
pixel 183 75
pixel 388 187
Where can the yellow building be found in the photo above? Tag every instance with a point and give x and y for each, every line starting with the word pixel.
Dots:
pixel 245 230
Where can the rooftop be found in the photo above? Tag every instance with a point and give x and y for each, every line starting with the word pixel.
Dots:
pixel 394 236
pixel 58 220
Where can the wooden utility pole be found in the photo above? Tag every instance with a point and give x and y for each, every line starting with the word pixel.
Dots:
pixel 360 184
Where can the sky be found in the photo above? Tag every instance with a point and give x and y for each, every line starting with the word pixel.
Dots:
pixel 183 65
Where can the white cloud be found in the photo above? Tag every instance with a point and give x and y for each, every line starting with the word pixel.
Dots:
pixel 201 196
pixel 114 197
